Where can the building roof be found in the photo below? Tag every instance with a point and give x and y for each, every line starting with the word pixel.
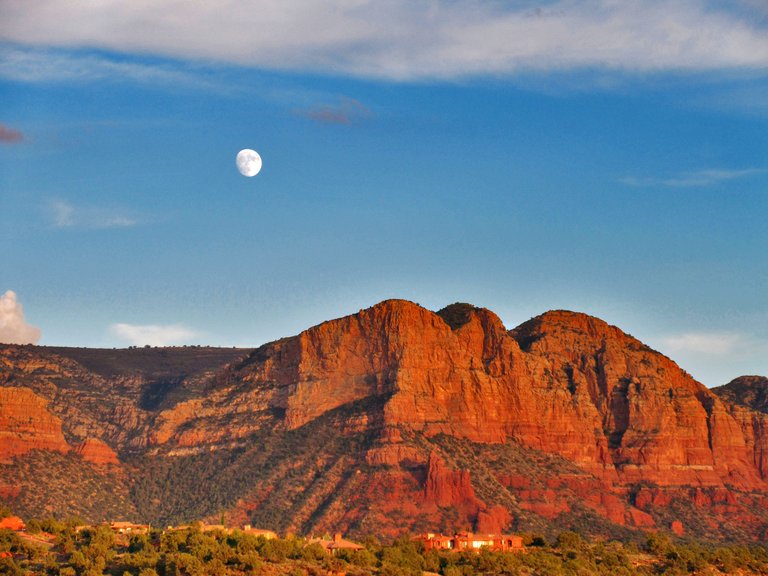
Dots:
pixel 12 523
pixel 338 543
pixel 344 544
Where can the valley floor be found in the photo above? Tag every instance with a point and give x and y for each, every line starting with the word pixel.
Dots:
pixel 57 548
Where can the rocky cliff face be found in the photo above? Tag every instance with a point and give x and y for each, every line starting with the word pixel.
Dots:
pixel 97 452
pixel 400 418
pixel 649 420
pixel 563 383
pixel 746 399
pixel 26 424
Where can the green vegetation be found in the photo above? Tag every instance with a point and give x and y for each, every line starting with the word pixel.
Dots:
pixel 150 361
pixel 190 552
pixel 93 494
pixel 305 467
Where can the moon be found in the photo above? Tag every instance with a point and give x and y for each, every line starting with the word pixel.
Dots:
pixel 248 162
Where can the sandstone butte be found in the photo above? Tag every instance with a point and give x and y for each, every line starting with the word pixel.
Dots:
pixel 639 442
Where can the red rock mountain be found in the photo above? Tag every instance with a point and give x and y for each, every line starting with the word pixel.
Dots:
pixel 393 419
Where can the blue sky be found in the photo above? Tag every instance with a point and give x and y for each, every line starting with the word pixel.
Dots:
pixel 606 157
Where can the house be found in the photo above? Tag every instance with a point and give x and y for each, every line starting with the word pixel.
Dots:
pixel 213 528
pixel 129 528
pixel 334 546
pixel 12 523
pixel 436 541
pixel 177 528
pixel 468 541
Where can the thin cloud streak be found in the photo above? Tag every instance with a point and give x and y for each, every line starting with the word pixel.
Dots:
pixel 720 354
pixel 32 65
pixel 711 343
pixel 406 40
pixel 66 215
pixel 698 178
pixel 345 111
pixel 153 334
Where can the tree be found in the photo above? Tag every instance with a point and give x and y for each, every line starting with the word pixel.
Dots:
pixel 569 541
pixel 658 543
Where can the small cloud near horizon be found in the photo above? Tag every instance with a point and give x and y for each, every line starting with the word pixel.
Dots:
pixel 14 329
pixel 345 111
pixel 713 343
pixel 715 357
pixel 154 334
pixel 66 215
pixel 9 135
pixel 698 178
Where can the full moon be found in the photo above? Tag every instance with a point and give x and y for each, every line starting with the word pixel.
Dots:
pixel 248 162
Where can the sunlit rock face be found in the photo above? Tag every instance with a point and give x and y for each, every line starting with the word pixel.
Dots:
pixel 26 424
pixel 563 382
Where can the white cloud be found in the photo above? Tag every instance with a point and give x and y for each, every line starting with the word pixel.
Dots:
pixel 693 179
pixel 712 343
pixel 66 215
pixel 13 327
pixel 403 39
pixel 154 334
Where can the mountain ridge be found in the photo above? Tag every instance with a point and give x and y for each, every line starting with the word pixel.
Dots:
pixel 398 418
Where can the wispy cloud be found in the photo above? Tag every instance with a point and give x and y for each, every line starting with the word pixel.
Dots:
pixel 33 65
pixel 9 135
pixel 405 39
pixel 66 215
pixel 721 355
pixel 712 343
pixel 14 329
pixel 344 111
pixel 154 334
pixel 693 179
pixel 750 97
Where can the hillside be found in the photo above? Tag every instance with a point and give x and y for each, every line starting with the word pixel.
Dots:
pixel 393 419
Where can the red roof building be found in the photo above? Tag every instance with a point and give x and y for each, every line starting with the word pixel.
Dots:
pixel 338 543
pixel 12 523
pixel 467 541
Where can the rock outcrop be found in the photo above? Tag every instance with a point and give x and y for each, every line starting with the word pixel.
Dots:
pixel 97 452
pixel 26 424
pixel 446 487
